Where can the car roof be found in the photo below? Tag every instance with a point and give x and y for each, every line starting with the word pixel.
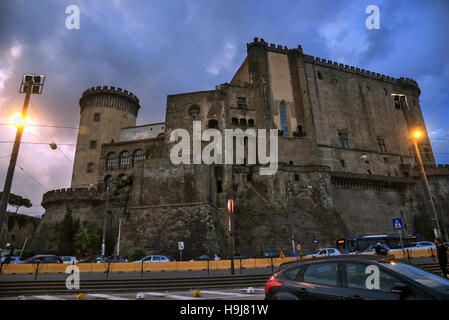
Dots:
pixel 342 257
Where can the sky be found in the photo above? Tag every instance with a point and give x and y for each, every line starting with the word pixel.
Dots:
pixel 157 48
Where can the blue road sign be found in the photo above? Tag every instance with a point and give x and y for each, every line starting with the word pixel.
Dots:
pixel 397 224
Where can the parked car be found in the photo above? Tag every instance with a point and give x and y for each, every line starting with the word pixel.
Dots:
pixel 206 257
pixel 347 277
pixel 421 245
pixel 93 259
pixel 68 259
pixel 12 260
pixel 154 258
pixel 325 252
pixel 116 259
pixel 43 258
pixel 270 254
pixel 372 248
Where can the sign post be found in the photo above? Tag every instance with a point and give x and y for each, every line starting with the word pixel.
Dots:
pixel 399 226
pixel 180 248
pixel 231 231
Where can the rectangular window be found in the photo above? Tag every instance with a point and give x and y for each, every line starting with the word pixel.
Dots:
pixel 96 117
pixel 241 102
pixel 343 141
pixel 321 273
pixel 381 145
pixel 284 123
pixel 93 144
pixel 90 167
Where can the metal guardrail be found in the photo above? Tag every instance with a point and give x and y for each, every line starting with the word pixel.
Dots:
pixel 142 267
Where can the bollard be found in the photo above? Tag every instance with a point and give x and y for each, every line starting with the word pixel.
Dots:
pixel 141 270
pixel 37 270
pixel 241 269
pixel 272 268
pixel 107 271
pixel 208 268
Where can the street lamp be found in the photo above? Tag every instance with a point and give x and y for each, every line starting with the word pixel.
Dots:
pixel 31 84
pixel 431 207
pixel 289 189
pixel 103 242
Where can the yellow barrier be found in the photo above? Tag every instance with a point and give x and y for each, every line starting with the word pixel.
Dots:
pixel 181 265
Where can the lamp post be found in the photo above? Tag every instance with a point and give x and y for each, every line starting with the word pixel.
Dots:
pixel 431 207
pixel 31 84
pixel 103 242
pixel 289 208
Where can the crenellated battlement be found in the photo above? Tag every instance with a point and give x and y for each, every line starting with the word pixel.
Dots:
pixel 111 89
pixel 272 46
pixel 110 97
pixel 437 170
pixel 404 83
pixel 80 194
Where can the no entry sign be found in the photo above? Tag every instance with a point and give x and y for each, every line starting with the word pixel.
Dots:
pixel 230 206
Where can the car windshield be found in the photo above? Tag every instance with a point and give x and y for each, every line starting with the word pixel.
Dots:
pixel 423 277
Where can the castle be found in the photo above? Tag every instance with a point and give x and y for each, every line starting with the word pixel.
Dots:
pixel 346 162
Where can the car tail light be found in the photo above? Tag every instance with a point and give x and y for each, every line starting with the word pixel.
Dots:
pixel 272 282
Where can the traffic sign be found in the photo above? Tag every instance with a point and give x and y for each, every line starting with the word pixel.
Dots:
pixel 180 245
pixel 298 246
pixel 397 224
pixel 230 206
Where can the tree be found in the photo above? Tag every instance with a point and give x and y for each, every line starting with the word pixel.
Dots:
pixel 17 201
pixel 86 240
pixel 65 232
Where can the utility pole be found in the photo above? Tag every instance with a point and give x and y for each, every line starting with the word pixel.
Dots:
pixel 103 242
pixel 118 238
pixel 31 84
pixel 430 205
pixel 289 212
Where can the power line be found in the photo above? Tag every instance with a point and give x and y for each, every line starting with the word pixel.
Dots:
pixel 47 143
pixel 33 178
pixel 48 134
pixel 42 125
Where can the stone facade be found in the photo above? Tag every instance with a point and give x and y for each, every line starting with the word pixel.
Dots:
pixel 345 149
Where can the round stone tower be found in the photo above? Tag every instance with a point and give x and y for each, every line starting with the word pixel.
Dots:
pixel 104 112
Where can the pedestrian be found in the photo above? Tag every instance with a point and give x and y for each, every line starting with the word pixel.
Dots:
pixel 442 255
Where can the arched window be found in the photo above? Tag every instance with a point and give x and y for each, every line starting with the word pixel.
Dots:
pixel 235 121
pixel 111 161
pixel 250 123
pixel 243 122
pixel 283 116
pixel 124 160
pixel 139 155
pixel 107 181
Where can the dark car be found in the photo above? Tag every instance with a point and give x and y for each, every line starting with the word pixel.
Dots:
pixel 270 254
pixel 206 257
pixel 354 277
pixel 92 259
pixel 44 258
pixel 116 259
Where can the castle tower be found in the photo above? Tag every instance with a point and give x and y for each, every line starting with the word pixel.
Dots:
pixel 104 112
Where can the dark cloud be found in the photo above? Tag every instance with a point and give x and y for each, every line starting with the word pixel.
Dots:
pixel 155 48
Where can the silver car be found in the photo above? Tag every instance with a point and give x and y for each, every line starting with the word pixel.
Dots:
pixel 154 258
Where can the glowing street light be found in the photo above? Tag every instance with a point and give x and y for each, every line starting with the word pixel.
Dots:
pixel 17 120
pixel 436 226
pixel 31 84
